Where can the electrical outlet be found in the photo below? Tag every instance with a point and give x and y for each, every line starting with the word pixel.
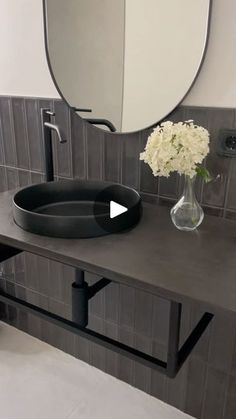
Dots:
pixel 227 142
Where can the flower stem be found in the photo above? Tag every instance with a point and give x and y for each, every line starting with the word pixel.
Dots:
pixel 204 173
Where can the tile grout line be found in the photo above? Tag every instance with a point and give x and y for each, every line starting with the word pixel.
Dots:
pixel 12 129
pixel 26 134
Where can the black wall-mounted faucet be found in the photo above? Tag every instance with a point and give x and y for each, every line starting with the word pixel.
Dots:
pixel 81 291
pixel 47 128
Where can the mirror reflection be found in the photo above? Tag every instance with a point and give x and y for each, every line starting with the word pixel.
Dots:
pixel 129 62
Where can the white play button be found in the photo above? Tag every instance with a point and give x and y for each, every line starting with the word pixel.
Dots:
pixel 116 209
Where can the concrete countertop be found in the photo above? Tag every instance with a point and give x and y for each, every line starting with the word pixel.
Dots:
pixel 197 267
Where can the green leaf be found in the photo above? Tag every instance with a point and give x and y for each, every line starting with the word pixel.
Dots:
pixel 204 173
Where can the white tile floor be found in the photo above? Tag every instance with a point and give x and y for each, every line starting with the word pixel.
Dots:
pixel 38 381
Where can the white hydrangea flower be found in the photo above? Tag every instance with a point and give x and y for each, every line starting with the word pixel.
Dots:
pixel 176 147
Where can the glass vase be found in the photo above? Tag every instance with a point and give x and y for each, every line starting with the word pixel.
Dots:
pixel 187 214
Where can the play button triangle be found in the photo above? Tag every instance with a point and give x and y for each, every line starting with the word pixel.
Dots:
pixel 116 209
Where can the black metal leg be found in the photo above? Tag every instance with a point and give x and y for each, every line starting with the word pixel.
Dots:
pixel 80 297
pixel 95 337
pixel 7 252
pixel 175 357
pixel 193 338
pixel 173 343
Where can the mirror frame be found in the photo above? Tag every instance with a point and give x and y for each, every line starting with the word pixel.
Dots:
pixel 45 30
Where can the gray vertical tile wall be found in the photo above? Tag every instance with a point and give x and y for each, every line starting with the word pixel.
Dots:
pixel 206 386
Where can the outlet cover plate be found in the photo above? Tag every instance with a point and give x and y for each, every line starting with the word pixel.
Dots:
pixel 227 143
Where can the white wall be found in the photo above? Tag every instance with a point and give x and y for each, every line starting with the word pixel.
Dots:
pixel 23 67
pixel 216 84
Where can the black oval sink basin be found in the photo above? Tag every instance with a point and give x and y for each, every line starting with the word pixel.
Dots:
pixel 75 209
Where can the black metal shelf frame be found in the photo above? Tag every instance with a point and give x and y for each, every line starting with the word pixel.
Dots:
pixel 176 356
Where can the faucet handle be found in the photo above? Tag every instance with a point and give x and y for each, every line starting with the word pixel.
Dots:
pixel 51 113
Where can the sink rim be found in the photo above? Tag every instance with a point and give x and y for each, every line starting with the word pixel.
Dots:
pixel 29 199
pixel 65 182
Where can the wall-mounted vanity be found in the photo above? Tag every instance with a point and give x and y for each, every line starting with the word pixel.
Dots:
pixel 198 267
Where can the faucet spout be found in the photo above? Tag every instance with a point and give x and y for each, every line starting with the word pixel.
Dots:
pixel 55 128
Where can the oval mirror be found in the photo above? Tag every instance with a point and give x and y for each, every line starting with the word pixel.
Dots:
pixel 128 62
